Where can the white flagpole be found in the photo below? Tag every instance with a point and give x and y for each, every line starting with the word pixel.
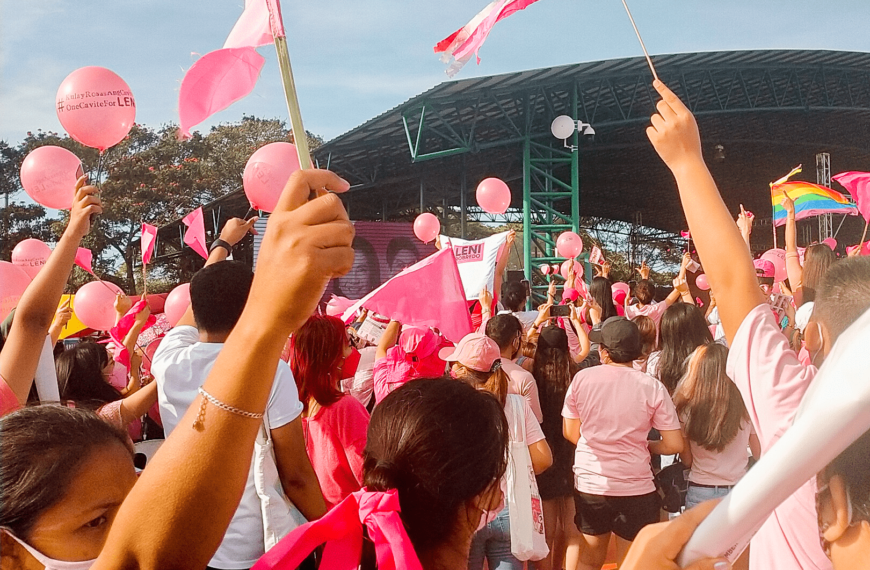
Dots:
pixel 642 46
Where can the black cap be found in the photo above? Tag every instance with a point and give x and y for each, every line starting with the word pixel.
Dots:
pixel 619 334
pixel 553 337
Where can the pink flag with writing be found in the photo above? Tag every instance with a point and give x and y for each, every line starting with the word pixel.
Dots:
pixel 468 40
pixel 858 185
pixel 428 294
pixel 595 256
pixel 149 240
pixel 195 234
pixel 85 259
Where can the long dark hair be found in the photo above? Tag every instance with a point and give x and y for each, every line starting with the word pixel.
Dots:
pixel 682 330
pixel 80 375
pixel 817 260
pixel 602 291
pixel 708 401
pixel 439 443
pixel 43 448
pixel 316 351
pixel 553 371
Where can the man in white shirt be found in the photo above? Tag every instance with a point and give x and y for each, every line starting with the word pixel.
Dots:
pixel 186 355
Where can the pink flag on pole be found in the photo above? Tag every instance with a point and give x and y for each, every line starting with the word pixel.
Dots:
pixel 858 185
pixel 865 249
pixel 275 20
pixel 121 355
pixel 195 234
pixel 149 240
pixel 85 259
pixel 429 294
pixel 252 28
pixel 470 38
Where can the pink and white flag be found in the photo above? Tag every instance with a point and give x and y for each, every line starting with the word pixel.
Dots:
pixel 595 256
pixel 85 259
pixel 858 185
pixel 149 240
pixel 252 28
pixel 195 234
pixel 468 40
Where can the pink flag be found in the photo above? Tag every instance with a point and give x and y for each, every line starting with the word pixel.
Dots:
pixel 428 294
pixel 595 256
pixel 85 259
pixel 865 249
pixel 469 39
pixel 275 20
pixel 217 80
pixel 119 332
pixel 252 28
pixel 149 240
pixel 858 185
pixel 195 234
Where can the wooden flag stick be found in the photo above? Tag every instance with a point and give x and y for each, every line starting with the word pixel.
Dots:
pixel 300 139
pixel 640 39
pixel 864 235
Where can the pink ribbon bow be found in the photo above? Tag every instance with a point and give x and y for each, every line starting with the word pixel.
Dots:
pixel 341 530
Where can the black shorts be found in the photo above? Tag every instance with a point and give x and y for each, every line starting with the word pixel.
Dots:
pixel 623 516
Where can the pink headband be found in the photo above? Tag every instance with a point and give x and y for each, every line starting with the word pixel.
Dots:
pixel 341 530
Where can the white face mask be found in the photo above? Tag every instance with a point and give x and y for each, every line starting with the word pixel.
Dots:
pixel 50 563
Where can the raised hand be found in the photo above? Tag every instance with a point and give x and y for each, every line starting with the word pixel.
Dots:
pixel 745 220
pixel 85 205
pixel 643 270
pixel 674 131
pixel 236 228
pixel 787 204
pixel 123 303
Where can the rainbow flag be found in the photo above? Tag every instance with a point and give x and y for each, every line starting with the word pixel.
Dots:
pixel 809 200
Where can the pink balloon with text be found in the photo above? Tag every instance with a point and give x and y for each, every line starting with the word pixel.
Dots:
pixel 13 282
pixel 49 174
pixel 569 245
pixel 96 107
pixel 267 172
pixel 30 255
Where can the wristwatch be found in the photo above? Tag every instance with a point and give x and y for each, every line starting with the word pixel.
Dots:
pixel 221 243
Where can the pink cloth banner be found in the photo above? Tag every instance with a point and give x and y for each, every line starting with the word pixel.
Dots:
pixel 276 21
pixel 149 240
pixel 119 332
pixel 858 185
pixel 252 28
pixel 195 234
pixel 85 259
pixel 427 294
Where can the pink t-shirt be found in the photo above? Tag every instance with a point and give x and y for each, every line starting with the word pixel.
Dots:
pixel 335 438
pixel 617 406
pixel 8 400
pixel 653 311
pixel 773 382
pixel 724 467
pixel 522 383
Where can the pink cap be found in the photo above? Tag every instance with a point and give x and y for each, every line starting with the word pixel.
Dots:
pixel 570 294
pixel 619 296
pixel 418 342
pixel 764 268
pixel 475 351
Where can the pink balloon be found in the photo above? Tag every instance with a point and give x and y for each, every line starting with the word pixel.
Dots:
pixel 556 268
pixel 830 242
pixel 777 257
pixel 177 303
pixel 701 282
pixel 493 196
pixel 49 174
pixel 96 107
pixel 569 245
pixel 30 255
pixel 13 282
pixel 267 172
pixel 426 227
pixel 94 304
pixel 563 270
pixel 545 269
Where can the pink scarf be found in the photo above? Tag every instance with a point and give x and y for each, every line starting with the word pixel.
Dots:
pixel 341 530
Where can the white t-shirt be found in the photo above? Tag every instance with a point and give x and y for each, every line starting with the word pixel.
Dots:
pixel 180 366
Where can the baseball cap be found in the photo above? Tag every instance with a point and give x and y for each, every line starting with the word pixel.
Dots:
pixel 418 342
pixel 570 294
pixel 764 268
pixel 475 351
pixel 618 334
pixel 619 296
pixel 553 337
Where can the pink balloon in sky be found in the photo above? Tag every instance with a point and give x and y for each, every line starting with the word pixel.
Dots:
pixel 494 196
pixel 267 172
pixel 30 255
pixel 96 107
pixel 49 174
pixel 177 303
pixel 426 227
pixel 94 304
pixel 569 245
pixel 701 282
pixel 13 282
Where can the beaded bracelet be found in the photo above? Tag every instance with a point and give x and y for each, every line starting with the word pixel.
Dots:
pixel 208 398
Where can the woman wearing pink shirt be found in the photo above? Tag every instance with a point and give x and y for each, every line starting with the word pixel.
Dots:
pixel 683 329
pixel 334 424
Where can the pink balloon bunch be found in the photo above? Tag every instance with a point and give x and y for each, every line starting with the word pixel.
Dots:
pixel 569 245
pixel 96 107
pixel 426 227
pixel 494 196
pixel 267 172
pixel 30 255
pixel 49 175
pixel 94 304
pixel 13 282
pixel 177 303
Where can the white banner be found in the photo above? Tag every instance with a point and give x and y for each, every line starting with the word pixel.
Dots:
pixel 476 260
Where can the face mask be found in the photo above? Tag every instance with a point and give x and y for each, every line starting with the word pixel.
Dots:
pixel 351 363
pixel 487 517
pixel 50 563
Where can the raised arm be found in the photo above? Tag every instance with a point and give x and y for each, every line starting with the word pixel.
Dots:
pixel 744 224
pixel 792 260
pixel 388 339
pixel 37 306
pixel 200 471
pixel 501 265
pixel 723 253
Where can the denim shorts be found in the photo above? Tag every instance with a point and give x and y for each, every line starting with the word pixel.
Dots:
pixel 697 495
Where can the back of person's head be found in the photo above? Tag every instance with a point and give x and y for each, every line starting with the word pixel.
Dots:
pixel 708 401
pixel 602 291
pixel 316 354
pixel 648 333
pixel 682 330
pixel 218 293
pixel 80 375
pixel 44 449
pixel 441 445
pixel 843 296
pixel 476 360
pixel 513 295
pixel 817 260
pixel 618 339
pixel 553 368
pixel 645 291
pixel 505 330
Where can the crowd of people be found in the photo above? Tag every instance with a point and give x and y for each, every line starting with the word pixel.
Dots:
pixel 533 442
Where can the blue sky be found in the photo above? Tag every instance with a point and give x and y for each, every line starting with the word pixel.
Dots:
pixel 356 59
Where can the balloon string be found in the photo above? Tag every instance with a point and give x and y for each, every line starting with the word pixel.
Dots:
pixel 248 213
